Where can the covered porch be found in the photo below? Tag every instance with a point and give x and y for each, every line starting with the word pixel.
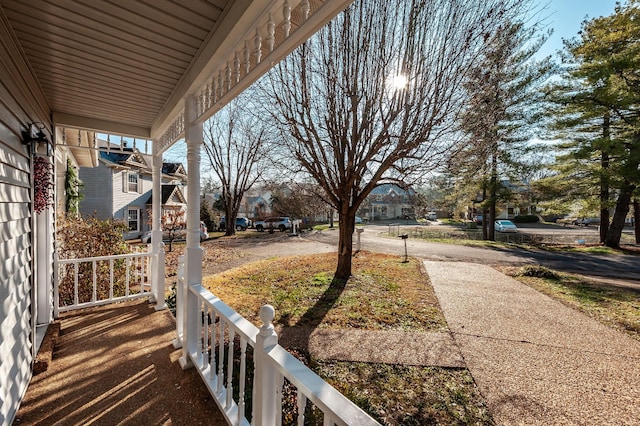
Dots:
pixel 153 73
pixel 115 364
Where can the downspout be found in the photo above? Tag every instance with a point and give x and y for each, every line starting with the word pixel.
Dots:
pixel 193 251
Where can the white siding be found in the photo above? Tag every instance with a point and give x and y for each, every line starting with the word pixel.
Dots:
pixel 20 104
pixel 122 201
pixel 97 191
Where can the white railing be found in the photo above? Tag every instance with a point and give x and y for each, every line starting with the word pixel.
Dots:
pixel 93 281
pixel 245 368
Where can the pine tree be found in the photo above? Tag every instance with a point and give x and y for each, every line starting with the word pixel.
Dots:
pixel 598 114
pixel 503 106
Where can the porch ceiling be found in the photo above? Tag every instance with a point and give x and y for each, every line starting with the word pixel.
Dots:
pixel 125 66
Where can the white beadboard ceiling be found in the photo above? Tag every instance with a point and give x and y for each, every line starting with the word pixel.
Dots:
pixel 124 66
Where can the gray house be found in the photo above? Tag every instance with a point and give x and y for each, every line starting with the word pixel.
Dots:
pixel 120 188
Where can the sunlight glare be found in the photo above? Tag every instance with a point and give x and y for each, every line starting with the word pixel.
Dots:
pixel 399 82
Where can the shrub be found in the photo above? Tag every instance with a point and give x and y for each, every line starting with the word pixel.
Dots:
pixel 171 299
pixel 80 238
pixel 537 271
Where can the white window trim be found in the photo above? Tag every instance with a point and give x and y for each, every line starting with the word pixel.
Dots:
pixel 129 210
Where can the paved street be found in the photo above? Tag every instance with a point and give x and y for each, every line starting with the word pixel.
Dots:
pixel 615 266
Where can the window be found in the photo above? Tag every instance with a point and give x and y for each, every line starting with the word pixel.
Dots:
pixel 133 219
pixel 133 180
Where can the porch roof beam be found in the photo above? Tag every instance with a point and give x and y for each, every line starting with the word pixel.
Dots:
pixel 100 126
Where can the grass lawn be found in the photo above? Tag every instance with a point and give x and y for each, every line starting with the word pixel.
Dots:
pixel 384 293
pixel 616 307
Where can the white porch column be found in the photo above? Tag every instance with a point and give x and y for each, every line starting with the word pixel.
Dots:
pixel 193 251
pixel 157 246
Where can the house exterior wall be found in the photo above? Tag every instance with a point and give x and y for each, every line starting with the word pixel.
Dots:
pixel 123 201
pixel 97 190
pixel 106 194
pixel 21 104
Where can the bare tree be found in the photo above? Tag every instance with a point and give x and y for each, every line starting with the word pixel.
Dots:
pixel 234 142
pixel 374 96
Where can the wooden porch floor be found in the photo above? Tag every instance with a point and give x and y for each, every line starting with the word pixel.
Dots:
pixel 115 364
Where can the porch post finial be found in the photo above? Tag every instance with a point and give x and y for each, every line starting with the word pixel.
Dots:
pixel 265 374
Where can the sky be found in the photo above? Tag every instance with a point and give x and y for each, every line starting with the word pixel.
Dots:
pixel 566 16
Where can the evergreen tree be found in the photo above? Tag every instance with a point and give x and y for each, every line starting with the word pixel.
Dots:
pixel 72 186
pixel 503 106
pixel 598 114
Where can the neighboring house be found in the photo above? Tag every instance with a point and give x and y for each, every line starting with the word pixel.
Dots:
pixel 519 200
pixel 256 206
pixel 386 202
pixel 120 188
pixel 172 199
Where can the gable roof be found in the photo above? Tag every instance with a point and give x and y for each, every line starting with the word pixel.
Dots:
pixel 388 188
pixel 173 169
pixel 170 192
pixel 126 157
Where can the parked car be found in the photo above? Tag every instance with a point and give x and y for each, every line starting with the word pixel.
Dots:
pixel 280 223
pixel 242 223
pixel 358 220
pixel 503 225
pixel 586 221
pixel 179 235
pixel 431 216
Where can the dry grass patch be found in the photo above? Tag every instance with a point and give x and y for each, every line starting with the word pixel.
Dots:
pixel 407 395
pixel 383 292
pixel 616 307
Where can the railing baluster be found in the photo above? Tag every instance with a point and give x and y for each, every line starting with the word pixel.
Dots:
pixel 110 278
pixel 75 284
pixel 279 385
pixel 230 368
pixel 221 357
pixel 200 332
pixel 212 349
pixel 127 264
pixel 142 273
pixel 243 376
pixel 95 281
pixel 302 405
pixel 286 14
pixel 305 7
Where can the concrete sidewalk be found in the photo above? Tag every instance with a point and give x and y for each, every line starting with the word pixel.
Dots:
pixel 535 361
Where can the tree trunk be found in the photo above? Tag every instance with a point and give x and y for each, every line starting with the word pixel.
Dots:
pixel 604 200
pixel 484 210
pixel 636 219
pixel 604 182
pixel 229 220
pixel 345 246
pixel 493 198
pixel 619 216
